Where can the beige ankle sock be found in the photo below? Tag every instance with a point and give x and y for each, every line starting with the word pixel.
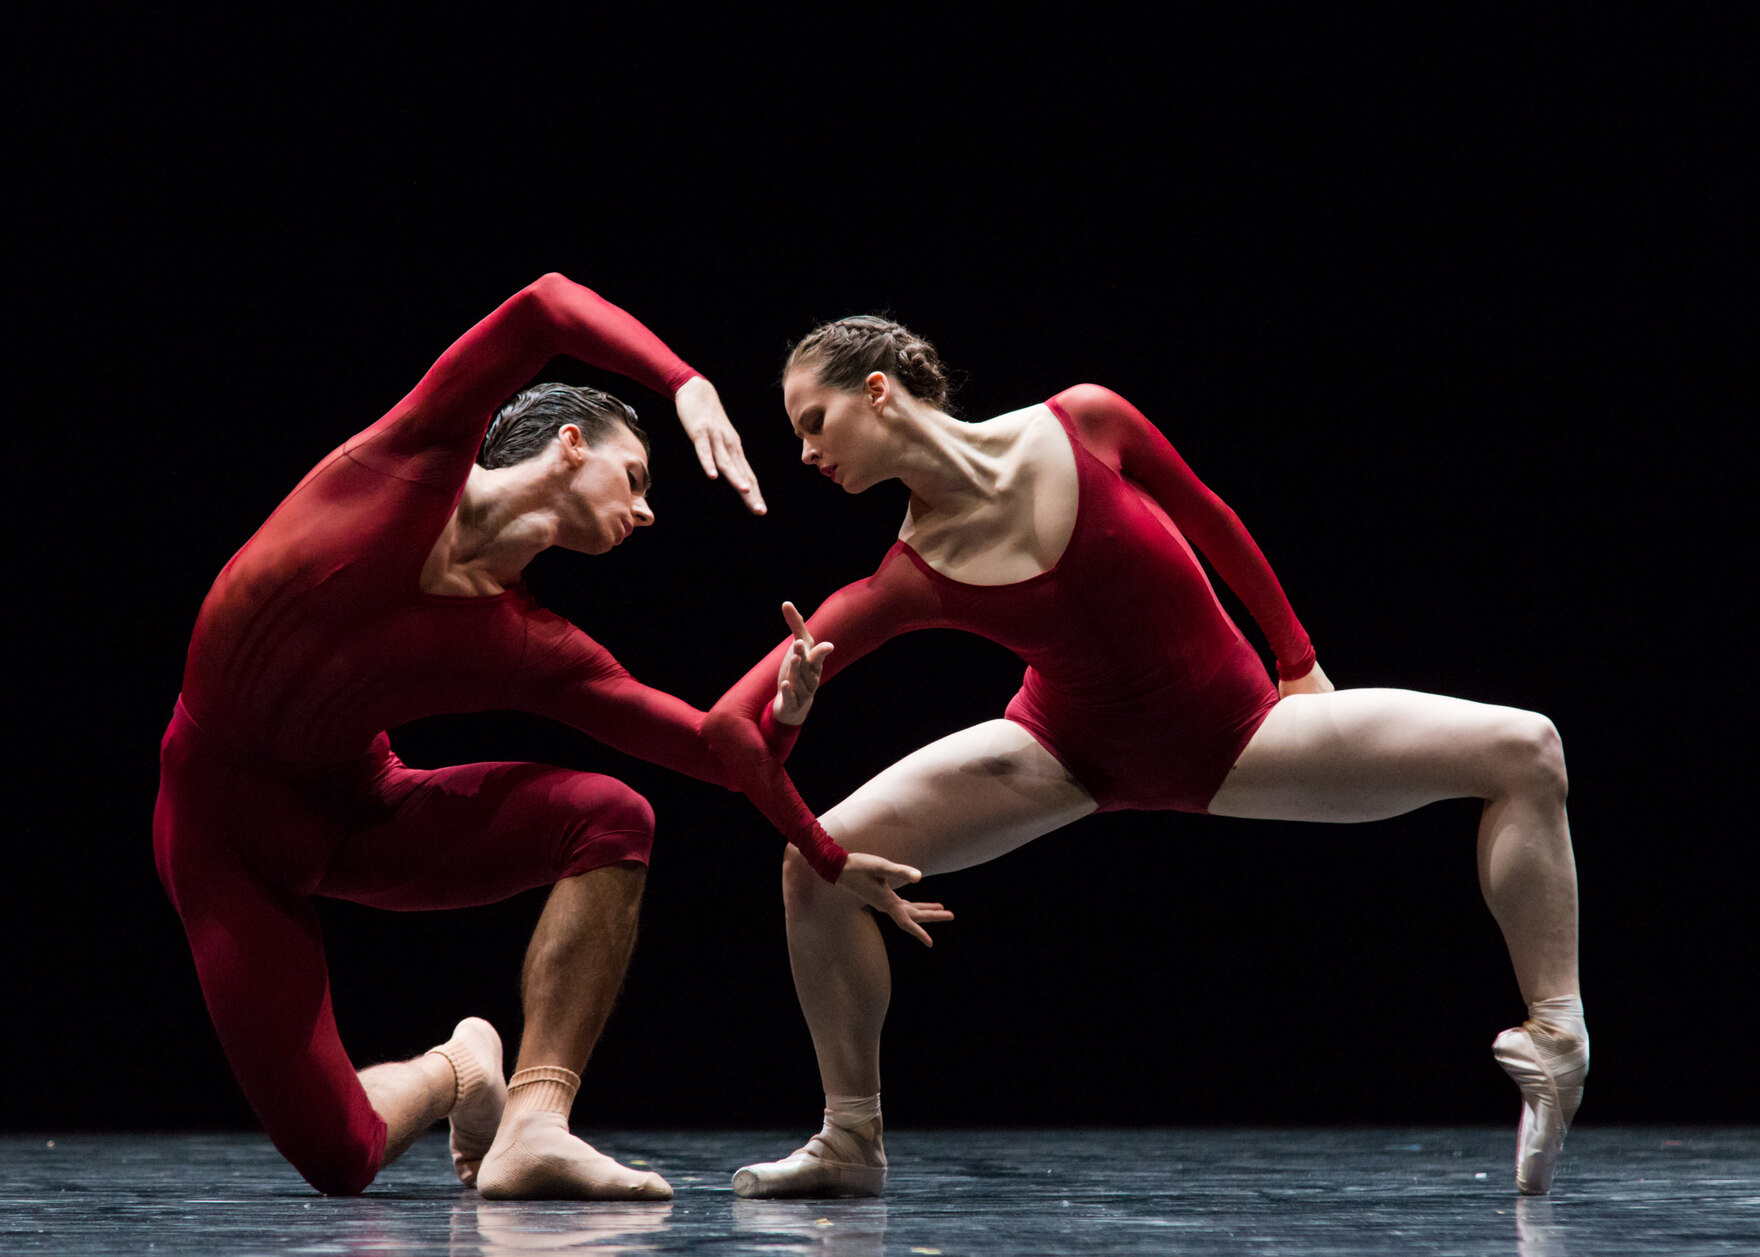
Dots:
pixel 478 1094
pixel 536 1156
pixel 547 1088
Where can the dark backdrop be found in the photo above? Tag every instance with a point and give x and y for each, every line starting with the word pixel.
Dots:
pixel 1447 307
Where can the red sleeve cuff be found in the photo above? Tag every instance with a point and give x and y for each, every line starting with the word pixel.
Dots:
pixel 826 857
pixel 678 377
pixel 780 738
pixel 1297 668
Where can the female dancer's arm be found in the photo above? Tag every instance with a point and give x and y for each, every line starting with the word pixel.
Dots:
pixel 453 403
pixel 747 729
pixel 1117 432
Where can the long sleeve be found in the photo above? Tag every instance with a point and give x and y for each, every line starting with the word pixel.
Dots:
pixel 569 677
pixel 451 407
pixel 1118 433
pixel 750 743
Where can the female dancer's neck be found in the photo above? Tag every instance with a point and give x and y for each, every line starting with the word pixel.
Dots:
pixel 944 461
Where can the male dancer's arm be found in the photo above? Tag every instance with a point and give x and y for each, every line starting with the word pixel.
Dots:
pixel 571 678
pixel 449 409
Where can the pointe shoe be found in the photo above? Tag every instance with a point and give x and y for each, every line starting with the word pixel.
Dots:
pixel 535 1157
pixel 835 1162
pixel 1551 1082
pixel 475 1054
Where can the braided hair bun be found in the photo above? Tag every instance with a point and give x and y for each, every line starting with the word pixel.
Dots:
pixel 846 352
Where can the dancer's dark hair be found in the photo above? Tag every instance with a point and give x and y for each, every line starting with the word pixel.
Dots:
pixel 528 423
pixel 846 352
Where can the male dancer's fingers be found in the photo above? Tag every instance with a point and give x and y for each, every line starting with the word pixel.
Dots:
pixel 927 911
pixel 901 917
pixel 732 461
pixel 791 616
pixel 705 454
pixel 888 874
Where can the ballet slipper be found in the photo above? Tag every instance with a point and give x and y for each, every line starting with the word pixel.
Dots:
pixel 838 1161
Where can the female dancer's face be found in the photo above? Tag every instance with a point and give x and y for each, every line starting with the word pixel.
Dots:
pixel 841 433
pixel 606 498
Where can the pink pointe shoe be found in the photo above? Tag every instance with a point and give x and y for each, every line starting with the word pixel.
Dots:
pixel 835 1162
pixel 1550 1070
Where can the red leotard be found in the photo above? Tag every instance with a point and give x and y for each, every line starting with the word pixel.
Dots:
pixel 1137 680
pixel 277 780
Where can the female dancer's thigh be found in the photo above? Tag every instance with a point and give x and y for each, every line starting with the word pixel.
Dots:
pixel 1359 755
pixel 968 798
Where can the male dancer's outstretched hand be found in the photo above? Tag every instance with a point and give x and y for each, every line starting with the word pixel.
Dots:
pixel 718 447
pixel 798 679
pixel 871 879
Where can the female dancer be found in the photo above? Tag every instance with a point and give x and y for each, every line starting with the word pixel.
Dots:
pixel 1061 532
pixel 384 588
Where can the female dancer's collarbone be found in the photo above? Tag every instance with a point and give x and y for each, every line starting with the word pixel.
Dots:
pixel 1015 524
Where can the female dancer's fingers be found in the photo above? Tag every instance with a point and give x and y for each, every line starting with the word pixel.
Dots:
pixel 791 616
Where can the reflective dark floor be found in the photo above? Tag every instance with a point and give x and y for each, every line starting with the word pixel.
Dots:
pixel 1360 1191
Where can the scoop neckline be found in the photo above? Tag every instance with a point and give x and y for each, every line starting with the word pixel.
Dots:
pixel 1075 455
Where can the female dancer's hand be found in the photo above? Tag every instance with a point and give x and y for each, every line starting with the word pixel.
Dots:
pixel 1314 683
pixel 718 447
pixel 798 679
pixel 871 879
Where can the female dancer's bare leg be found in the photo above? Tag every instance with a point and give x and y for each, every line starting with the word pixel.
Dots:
pixel 1358 755
pixel 966 799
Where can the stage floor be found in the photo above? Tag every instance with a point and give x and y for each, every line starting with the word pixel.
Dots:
pixel 1293 1193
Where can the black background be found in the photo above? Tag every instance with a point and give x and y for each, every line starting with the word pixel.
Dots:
pixel 1452 308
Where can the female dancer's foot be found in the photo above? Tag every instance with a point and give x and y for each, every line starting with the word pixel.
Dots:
pixel 1548 1056
pixel 846 1158
pixel 474 1051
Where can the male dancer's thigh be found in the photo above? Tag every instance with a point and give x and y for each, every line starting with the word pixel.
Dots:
pixel 260 959
pixel 475 834
pixel 965 799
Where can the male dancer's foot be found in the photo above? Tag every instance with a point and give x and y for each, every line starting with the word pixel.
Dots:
pixel 535 1157
pixel 846 1158
pixel 474 1051
pixel 1548 1056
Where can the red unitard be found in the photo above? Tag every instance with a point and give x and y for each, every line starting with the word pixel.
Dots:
pixel 278 783
pixel 1137 680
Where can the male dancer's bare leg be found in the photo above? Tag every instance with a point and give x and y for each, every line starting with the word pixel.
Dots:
pixel 460 1079
pixel 573 969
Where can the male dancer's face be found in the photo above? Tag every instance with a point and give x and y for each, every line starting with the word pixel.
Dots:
pixel 607 492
